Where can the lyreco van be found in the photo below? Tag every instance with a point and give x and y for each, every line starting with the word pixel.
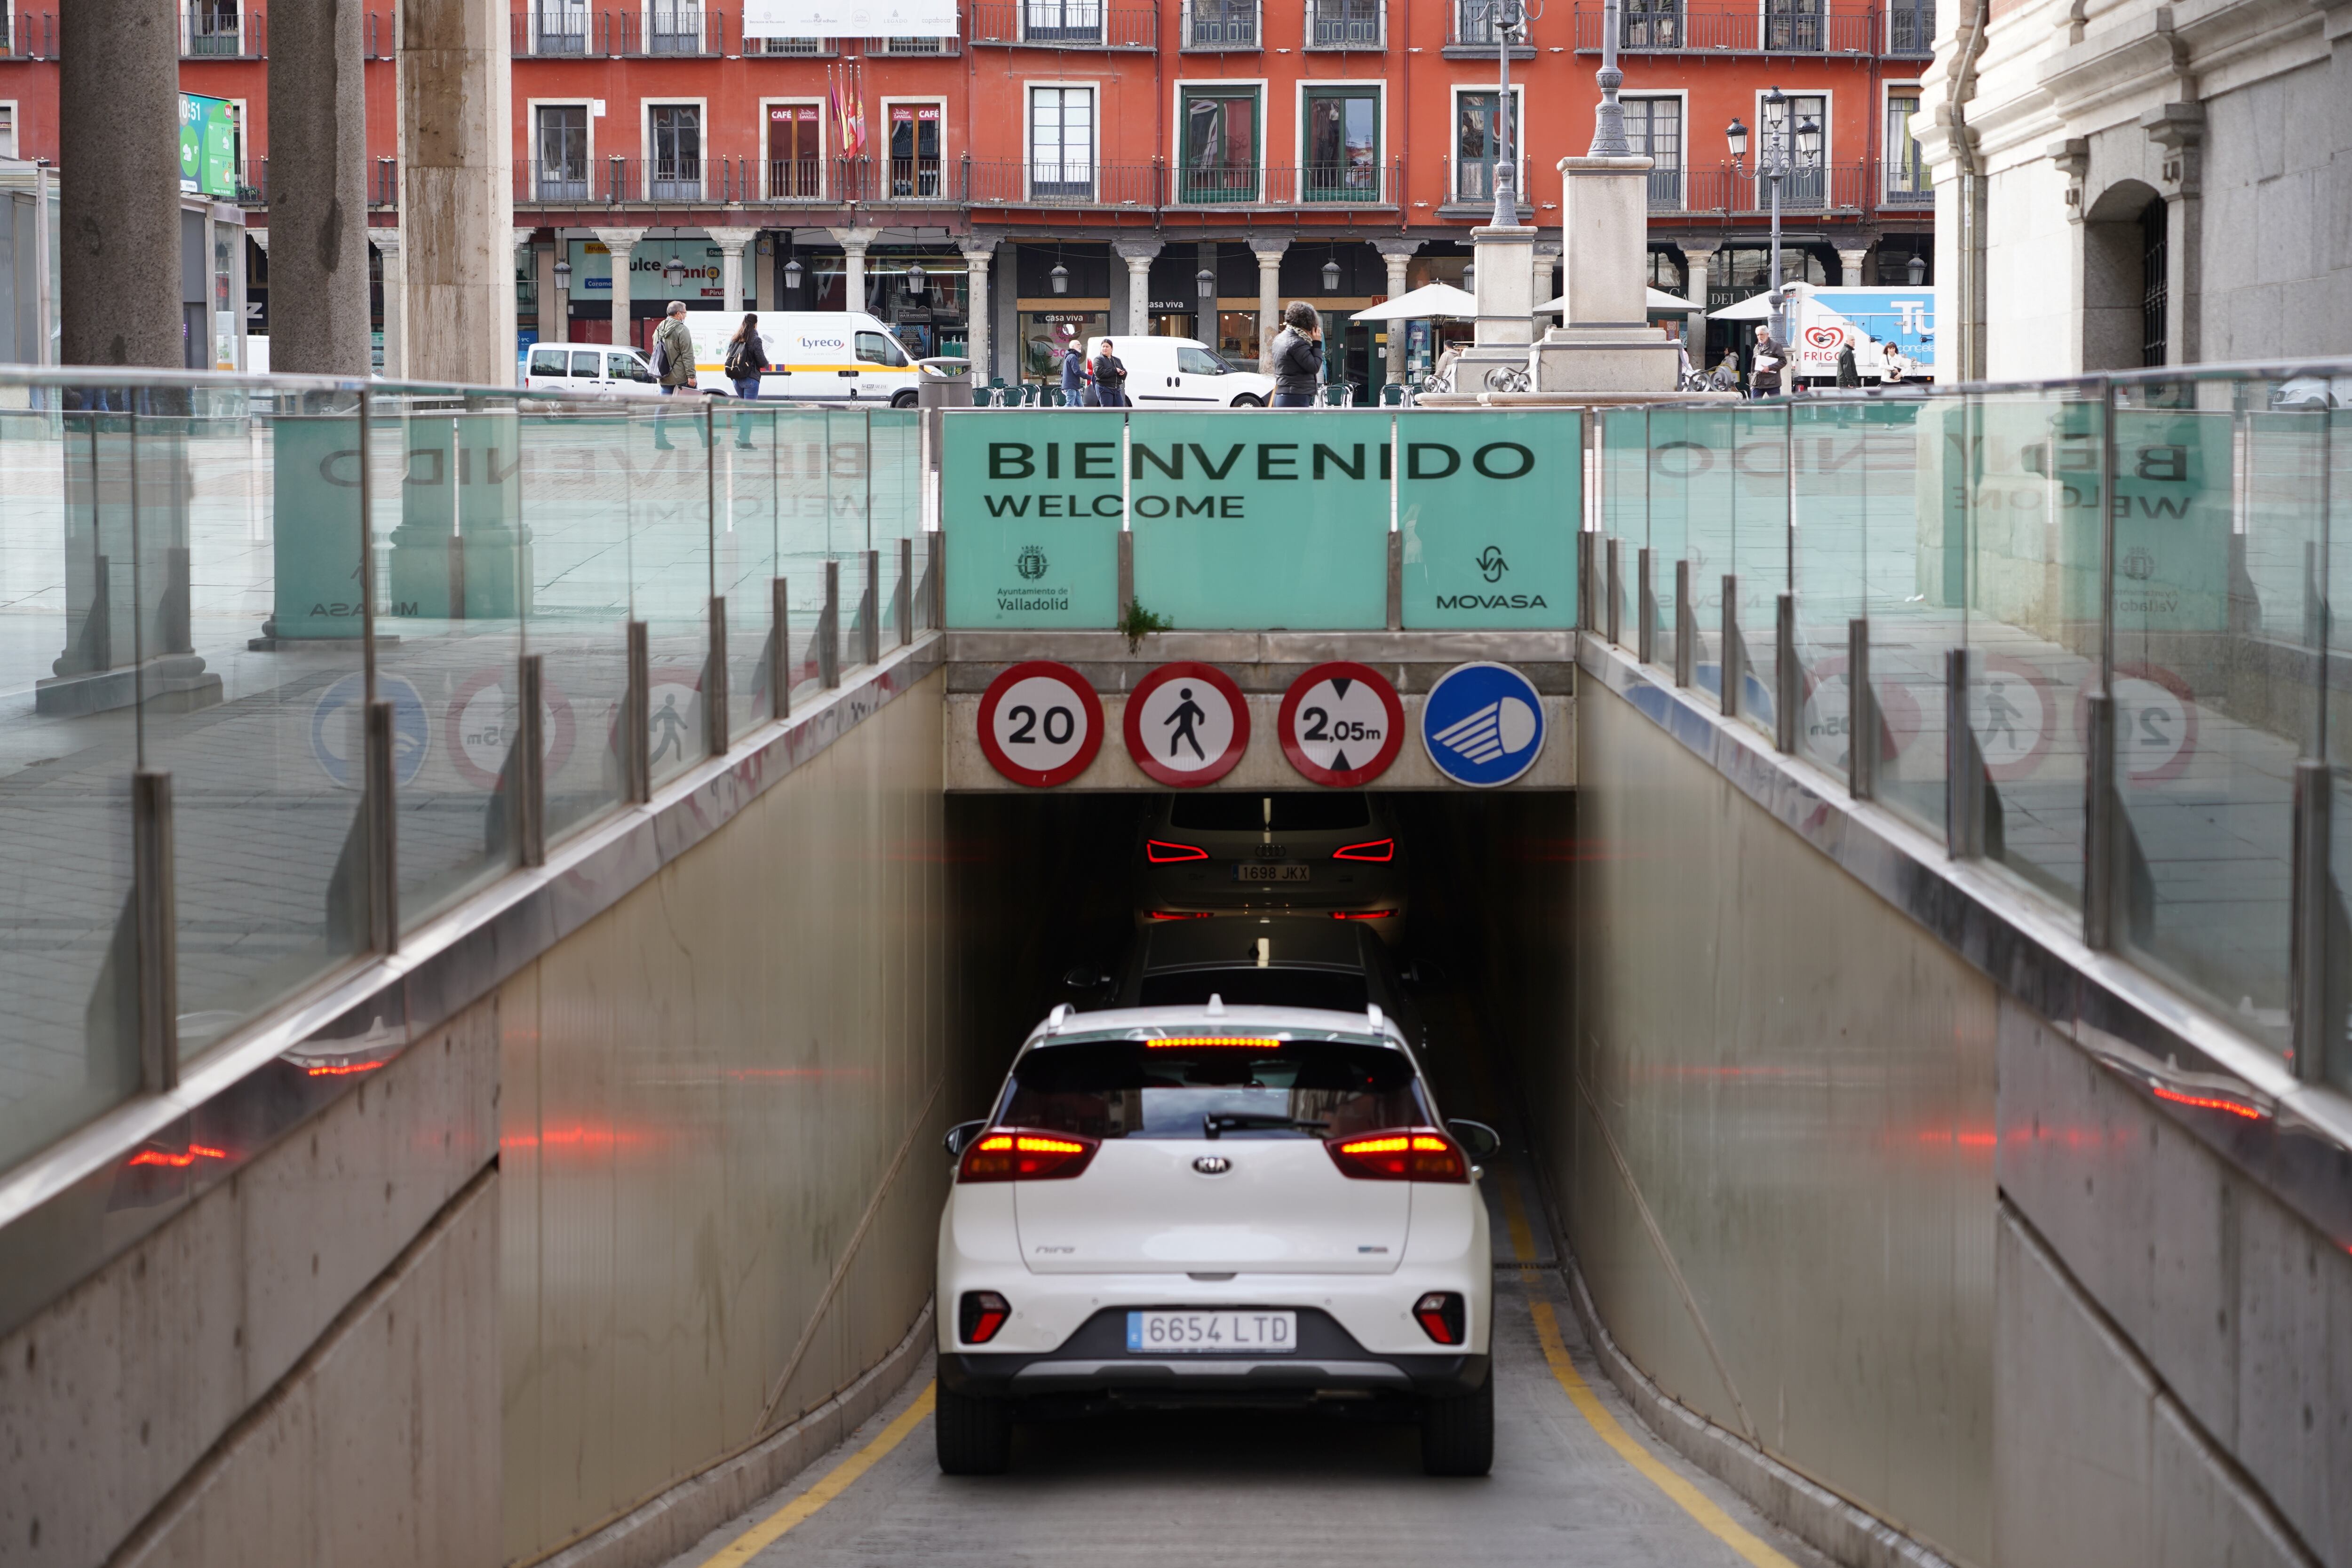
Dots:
pixel 845 356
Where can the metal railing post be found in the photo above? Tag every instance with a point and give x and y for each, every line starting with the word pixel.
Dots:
pixel 637 719
pixel 1963 773
pixel 1645 609
pixel 1730 671
pixel 2312 896
pixel 714 682
pixel 1788 676
pixel 2098 821
pixel 829 628
pixel 780 651
pixel 902 597
pixel 529 807
pixel 1585 620
pixel 156 930
pixel 869 611
pixel 1860 713
pixel 1613 614
pixel 382 835
pixel 1685 625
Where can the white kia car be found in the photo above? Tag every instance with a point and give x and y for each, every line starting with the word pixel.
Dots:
pixel 1177 1206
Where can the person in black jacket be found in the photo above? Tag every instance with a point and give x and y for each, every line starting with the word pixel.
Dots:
pixel 1298 357
pixel 1111 377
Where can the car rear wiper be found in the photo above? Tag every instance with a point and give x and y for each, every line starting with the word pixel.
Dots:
pixel 1218 1123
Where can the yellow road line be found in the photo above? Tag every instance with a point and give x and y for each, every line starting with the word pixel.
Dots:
pixel 1515 1215
pixel 838 1479
pixel 1687 1497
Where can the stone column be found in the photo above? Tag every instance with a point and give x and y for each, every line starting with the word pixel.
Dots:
pixel 620 241
pixel 730 243
pixel 1138 254
pixel 1547 263
pixel 1699 271
pixel 119 207
pixel 554 310
pixel 853 247
pixel 524 257
pixel 318 190
pixel 1396 254
pixel 2178 130
pixel 1850 265
pixel 1604 342
pixel 978 252
pixel 763 272
pixel 395 303
pixel 456 197
pixel 1269 297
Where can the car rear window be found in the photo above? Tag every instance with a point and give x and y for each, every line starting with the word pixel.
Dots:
pixel 1139 1089
pixel 1256 988
pixel 1290 813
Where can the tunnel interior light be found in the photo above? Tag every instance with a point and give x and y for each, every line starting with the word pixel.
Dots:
pixel 1373 850
pixel 180 1160
pixel 1160 852
pixel 1363 913
pixel 979 1314
pixel 1441 1316
pixel 1399 1154
pixel 1016 1154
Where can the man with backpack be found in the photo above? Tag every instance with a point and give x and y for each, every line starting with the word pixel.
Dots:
pixel 1073 374
pixel 673 365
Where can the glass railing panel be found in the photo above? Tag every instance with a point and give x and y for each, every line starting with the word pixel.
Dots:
pixel 2032 507
pixel 894 439
pixel 1678 461
pixel 1625 508
pixel 670 580
pixel 577 476
pixel 2315 395
pixel 69 651
pixel 1696 473
pixel 744 552
pixel 255 694
pixel 451 549
pixel 1844 458
pixel 1916 582
pixel 1759 555
pixel 2220 621
pixel 820 494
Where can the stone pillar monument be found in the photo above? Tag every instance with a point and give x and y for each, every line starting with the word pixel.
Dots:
pixel 1497 359
pixel 456 175
pixel 1604 342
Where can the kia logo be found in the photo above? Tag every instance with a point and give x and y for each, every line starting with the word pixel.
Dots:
pixel 1213 1165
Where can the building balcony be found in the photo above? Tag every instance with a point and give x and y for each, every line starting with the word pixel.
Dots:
pixel 1470 33
pixel 791 48
pixel 1066 25
pixel 383 183
pixel 1340 25
pixel 28 35
pixel 1838 190
pixel 567 29
pixel 1782 29
pixel 1213 24
pixel 222 30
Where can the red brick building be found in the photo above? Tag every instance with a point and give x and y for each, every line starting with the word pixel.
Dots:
pixel 1067 163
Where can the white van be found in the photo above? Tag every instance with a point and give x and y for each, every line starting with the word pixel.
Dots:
pixel 1182 372
pixel 816 355
pixel 589 368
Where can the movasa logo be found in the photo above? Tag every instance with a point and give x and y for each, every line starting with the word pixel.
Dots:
pixel 1491 601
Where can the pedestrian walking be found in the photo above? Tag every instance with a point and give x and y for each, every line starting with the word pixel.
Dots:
pixel 1298 357
pixel 1849 374
pixel 747 357
pixel 1893 367
pixel 1764 376
pixel 1073 374
pixel 674 365
pixel 1111 378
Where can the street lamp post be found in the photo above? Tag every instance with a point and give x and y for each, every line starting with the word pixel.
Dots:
pixel 1774 162
pixel 1506 17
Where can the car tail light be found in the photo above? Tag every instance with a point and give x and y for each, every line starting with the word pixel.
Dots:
pixel 1160 852
pixel 1376 850
pixel 1363 913
pixel 1014 1154
pixel 1399 1154
pixel 1179 914
pixel 1214 1042
pixel 1438 1313
pixel 982 1313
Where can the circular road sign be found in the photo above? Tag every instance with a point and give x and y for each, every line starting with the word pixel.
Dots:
pixel 1483 724
pixel 2156 721
pixel 1340 725
pixel 2009 709
pixel 1827 718
pixel 1187 725
pixel 1040 724
pixel 335 732
pixel 479 726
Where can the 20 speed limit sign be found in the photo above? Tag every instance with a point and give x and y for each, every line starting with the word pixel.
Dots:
pixel 1342 725
pixel 1040 724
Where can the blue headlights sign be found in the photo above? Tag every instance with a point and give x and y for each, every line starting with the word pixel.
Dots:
pixel 1483 724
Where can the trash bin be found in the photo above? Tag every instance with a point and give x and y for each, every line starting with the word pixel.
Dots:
pixel 943 384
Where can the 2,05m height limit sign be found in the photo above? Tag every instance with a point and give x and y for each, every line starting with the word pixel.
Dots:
pixel 1342 725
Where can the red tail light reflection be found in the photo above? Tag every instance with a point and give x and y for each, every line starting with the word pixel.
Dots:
pixel 1160 852
pixel 1375 850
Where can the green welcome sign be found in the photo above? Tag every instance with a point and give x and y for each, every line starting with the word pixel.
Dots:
pixel 1489 505
pixel 207 145
pixel 1032 504
pixel 1257 520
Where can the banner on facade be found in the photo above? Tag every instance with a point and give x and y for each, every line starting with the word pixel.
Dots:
pixel 849 18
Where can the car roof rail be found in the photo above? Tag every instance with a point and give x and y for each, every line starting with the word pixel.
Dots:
pixel 1372 1011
